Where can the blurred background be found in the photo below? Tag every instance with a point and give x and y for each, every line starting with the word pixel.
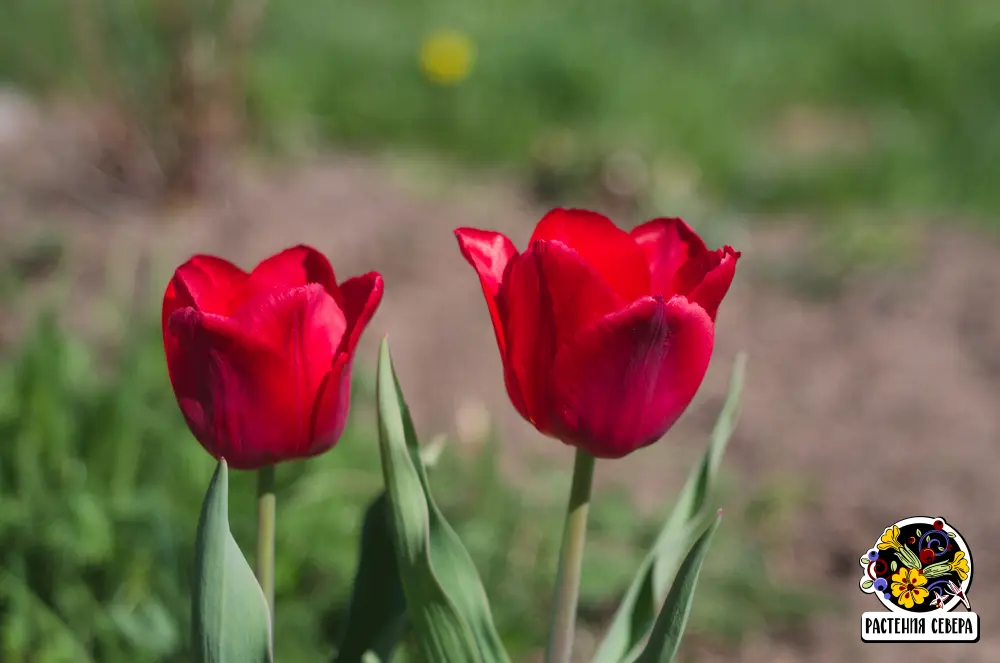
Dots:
pixel 851 150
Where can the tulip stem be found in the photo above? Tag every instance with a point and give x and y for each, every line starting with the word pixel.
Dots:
pixel 265 535
pixel 567 590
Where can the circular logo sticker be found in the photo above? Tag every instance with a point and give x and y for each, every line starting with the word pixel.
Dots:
pixel 919 565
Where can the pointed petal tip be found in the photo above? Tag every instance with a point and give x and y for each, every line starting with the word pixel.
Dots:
pixel 370 286
pixel 302 247
pixel 361 297
pixel 662 222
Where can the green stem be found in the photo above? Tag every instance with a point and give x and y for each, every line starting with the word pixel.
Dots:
pixel 567 589
pixel 265 535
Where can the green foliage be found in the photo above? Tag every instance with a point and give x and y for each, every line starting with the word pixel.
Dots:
pixel 693 84
pixel 634 620
pixel 90 566
pixel 899 94
pixel 446 601
pixel 665 638
pixel 101 485
pixel 230 619
pixel 376 617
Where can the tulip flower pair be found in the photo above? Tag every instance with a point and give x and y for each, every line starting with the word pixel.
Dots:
pixel 605 336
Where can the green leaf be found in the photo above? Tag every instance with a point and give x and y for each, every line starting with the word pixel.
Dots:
pixel 635 616
pixel 669 628
pixel 893 565
pixel 445 597
pixel 230 620
pixel 376 616
pixel 452 563
pixel 867 584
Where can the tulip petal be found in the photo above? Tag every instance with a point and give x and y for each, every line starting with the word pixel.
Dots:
pixel 608 248
pixel 361 298
pixel 206 283
pixel 713 287
pixel 248 384
pixel 489 253
pixel 362 295
pixel 681 264
pixel 297 266
pixel 669 244
pixel 551 293
pixel 624 381
pixel 333 402
pixel 492 255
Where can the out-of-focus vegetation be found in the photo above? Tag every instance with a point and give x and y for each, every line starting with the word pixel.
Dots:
pixel 100 487
pixel 769 105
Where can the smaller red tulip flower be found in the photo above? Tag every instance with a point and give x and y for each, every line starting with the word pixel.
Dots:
pixel 261 362
pixel 605 335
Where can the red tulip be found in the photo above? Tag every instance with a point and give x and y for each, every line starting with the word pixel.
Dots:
pixel 605 336
pixel 261 362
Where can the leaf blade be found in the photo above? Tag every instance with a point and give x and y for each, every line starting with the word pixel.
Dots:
pixel 636 614
pixel 665 639
pixel 230 620
pixel 450 560
pixel 376 614
pixel 442 633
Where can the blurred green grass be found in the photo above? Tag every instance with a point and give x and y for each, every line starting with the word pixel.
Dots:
pixel 900 96
pixel 100 486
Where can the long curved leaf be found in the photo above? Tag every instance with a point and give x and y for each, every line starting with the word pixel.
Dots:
pixel 665 639
pixel 230 620
pixel 635 616
pixel 452 564
pixel 442 633
pixel 376 616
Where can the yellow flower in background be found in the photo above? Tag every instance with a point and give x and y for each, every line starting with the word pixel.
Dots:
pixel 960 565
pixel 446 57
pixel 908 587
pixel 890 539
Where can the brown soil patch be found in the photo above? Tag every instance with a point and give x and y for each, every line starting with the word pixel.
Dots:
pixel 881 401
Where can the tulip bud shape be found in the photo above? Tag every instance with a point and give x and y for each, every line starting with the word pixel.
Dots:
pixel 605 335
pixel 260 362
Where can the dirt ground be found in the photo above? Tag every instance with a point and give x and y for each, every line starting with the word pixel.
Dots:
pixel 883 401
